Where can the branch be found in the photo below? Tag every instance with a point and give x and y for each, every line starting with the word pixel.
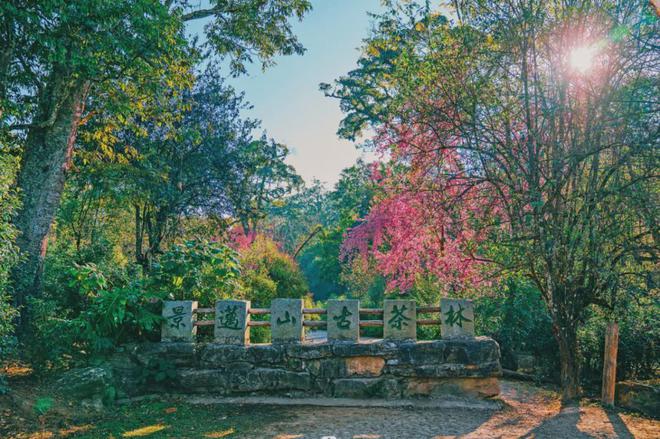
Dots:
pixel 311 235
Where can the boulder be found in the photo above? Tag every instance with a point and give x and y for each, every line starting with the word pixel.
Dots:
pixel 90 386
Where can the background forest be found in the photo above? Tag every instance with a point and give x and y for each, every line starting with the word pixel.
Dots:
pixel 163 190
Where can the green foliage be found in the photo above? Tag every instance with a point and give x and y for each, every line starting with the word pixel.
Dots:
pixel 199 270
pixel 269 273
pixel 114 314
pixel 639 338
pixel 43 405
pixel 109 312
pixel 517 318
pixel 9 254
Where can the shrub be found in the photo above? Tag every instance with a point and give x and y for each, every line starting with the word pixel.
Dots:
pixel 110 314
pixel 269 273
pixel 197 270
pixel 639 338
pixel 516 316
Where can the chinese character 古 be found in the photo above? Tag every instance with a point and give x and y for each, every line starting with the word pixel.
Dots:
pixel 342 321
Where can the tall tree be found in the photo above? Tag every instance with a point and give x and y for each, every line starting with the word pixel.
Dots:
pixel 58 54
pixel 545 113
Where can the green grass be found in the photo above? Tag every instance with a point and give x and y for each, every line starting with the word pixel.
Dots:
pixel 164 419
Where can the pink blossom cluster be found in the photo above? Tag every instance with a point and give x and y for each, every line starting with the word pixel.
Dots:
pixel 427 220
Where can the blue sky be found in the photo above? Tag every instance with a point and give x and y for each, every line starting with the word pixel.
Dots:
pixel 286 97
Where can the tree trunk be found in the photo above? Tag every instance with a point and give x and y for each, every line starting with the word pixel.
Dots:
pixel 45 161
pixel 566 336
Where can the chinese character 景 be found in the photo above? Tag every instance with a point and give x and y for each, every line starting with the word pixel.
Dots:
pixel 176 319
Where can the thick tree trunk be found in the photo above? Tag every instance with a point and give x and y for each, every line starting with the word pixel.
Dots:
pixel 44 164
pixel 566 336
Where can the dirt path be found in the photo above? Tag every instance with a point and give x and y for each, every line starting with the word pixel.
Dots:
pixel 528 412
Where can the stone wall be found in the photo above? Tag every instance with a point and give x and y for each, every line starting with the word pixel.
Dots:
pixel 380 369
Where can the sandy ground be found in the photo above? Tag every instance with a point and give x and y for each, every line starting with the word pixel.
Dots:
pixel 529 412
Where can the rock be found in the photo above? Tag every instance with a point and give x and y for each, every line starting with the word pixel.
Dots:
pixel 365 366
pixel 471 387
pixel 381 348
pixel 641 397
pixel 86 384
pixel 216 355
pixel 309 351
pixel 177 353
pixel 201 381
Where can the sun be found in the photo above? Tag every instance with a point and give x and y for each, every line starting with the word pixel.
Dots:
pixel 581 59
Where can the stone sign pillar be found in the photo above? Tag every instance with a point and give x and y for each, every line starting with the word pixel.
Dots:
pixel 400 320
pixel 457 317
pixel 179 316
pixel 344 320
pixel 231 322
pixel 286 320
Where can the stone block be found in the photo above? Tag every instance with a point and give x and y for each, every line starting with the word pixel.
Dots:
pixel 214 355
pixel 85 383
pixel 286 320
pixel 343 320
pixel 365 366
pixel 380 348
pixel 461 387
pixel 176 353
pixel 400 320
pixel 201 380
pixel 179 316
pixel 457 317
pixel 309 351
pixel 231 322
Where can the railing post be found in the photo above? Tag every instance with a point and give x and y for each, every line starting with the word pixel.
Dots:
pixel 399 320
pixel 179 321
pixel 343 320
pixel 286 320
pixel 457 316
pixel 232 318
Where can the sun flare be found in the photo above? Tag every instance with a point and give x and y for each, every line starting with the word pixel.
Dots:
pixel 581 59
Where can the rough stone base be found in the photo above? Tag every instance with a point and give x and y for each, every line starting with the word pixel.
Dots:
pixel 378 369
